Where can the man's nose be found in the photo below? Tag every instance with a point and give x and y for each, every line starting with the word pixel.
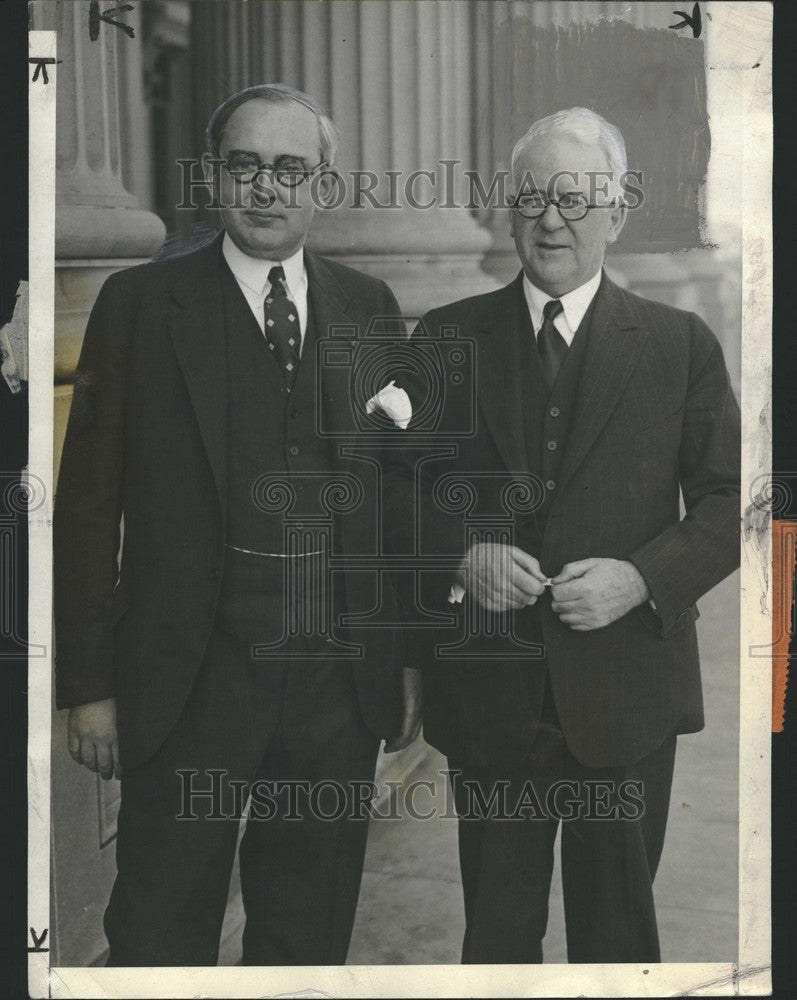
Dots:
pixel 550 218
pixel 264 189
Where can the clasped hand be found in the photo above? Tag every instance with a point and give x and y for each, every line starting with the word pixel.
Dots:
pixel 592 593
pixel 501 577
pixel 587 594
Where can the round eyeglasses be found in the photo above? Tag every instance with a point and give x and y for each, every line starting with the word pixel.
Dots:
pixel 570 207
pixel 287 171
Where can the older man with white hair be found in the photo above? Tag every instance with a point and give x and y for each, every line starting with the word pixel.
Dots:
pixel 568 708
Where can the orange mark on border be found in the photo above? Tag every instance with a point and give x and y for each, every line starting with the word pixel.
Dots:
pixel 784 556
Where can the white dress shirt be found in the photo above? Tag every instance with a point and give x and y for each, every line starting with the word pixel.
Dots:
pixel 574 306
pixel 251 273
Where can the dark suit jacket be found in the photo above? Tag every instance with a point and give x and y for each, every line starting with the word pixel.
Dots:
pixel 147 439
pixel 655 412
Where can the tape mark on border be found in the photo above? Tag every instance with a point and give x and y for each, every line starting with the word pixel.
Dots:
pixel 784 559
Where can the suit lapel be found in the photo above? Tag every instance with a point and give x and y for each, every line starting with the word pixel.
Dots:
pixel 499 373
pixel 198 336
pixel 614 344
pixel 331 307
pixel 330 299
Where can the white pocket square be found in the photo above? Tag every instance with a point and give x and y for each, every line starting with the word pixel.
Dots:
pixel 394 402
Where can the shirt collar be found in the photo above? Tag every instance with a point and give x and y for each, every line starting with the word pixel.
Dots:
pixel 253 271
pixel 574 303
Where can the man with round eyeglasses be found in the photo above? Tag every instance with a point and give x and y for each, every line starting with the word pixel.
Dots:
pixel 267 204
pixel 214 661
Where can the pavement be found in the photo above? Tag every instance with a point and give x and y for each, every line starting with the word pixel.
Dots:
pixel 410 908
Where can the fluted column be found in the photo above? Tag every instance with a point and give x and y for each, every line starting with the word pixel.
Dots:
pixel 396 78
pixel 97 216
pixel 98 225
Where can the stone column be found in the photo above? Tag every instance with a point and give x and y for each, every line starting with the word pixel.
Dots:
pixel 98 225
pixel 396 78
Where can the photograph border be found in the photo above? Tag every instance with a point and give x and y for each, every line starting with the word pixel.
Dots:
pixel 742 47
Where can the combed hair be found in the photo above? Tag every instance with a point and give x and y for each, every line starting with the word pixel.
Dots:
pixel 275 93
pixel 586 126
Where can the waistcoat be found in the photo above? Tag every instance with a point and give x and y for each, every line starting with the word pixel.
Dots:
pixel 277 460
pixel 548 416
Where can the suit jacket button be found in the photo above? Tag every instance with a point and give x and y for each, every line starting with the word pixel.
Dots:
pixel 551 446
pixel 550 485
pixel 554 411
pixel 293 450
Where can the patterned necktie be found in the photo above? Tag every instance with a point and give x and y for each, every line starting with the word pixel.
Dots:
pixel 282 325
pixel 550 343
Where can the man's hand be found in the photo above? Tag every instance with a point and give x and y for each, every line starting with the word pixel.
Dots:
pixel 592 593
pixel 413 714
pixel 92 737
pixel 501 577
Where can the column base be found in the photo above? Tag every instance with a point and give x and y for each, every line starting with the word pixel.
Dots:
pixel 424 281
pixel 82 232
pixel 428 257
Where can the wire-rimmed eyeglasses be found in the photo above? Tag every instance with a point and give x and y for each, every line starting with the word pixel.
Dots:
pixel 571 206
pixel 287 171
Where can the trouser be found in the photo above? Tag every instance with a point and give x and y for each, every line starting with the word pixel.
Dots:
pixel 287 722
pixel 613 825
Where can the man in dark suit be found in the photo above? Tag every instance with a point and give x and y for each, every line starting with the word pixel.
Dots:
pixel 577 662
pixel 196 423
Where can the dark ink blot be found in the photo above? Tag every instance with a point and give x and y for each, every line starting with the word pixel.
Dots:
pixel 177 245
pixel 41 67
pixel 693 21
pixel 96 15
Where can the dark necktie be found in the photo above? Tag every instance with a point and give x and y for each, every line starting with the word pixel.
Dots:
pixel 282 325
pixel 550 343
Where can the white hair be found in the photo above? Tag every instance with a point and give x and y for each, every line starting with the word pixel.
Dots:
pixel 586 126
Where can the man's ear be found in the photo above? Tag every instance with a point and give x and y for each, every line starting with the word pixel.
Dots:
pixel 327 184
pixel 209 170
pixel 617 219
